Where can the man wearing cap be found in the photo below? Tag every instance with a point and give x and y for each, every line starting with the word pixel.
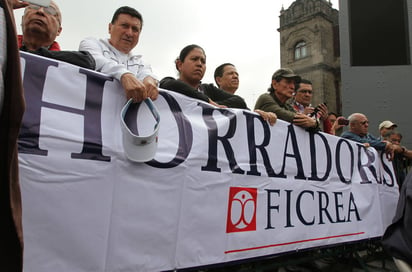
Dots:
pixel 385 127
pixel 275 100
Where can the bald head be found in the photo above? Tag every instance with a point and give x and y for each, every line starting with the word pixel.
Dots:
pixel 358 124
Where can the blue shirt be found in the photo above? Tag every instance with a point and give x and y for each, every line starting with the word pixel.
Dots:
pixel 370 139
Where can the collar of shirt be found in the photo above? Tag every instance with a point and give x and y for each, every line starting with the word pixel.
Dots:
pixel 117 53
pixel 298 106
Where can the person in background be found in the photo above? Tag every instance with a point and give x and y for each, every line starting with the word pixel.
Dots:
pixel 114 55
pixel 191 65
pixel 385 127
pixel 227 77
pixel 301 102
pixel 402 161
pixel 337 122
pixel 332 117
pixel 276 99
pixel 358 132
pixel 11 113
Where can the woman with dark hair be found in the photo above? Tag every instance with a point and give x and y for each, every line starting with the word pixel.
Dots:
pixel 191 65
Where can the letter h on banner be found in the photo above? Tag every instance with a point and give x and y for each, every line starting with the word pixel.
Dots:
pixel 33 82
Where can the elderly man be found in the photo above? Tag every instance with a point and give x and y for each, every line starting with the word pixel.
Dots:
pixel 280 91
pixel 358 132
pixel 113 56
pixel 40 26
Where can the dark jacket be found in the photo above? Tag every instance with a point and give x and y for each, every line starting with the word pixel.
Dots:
pixel 397 239
pixel 11 234
pixel 80 58
pixel 207 91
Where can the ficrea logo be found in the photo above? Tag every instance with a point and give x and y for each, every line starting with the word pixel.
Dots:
pixel 241 214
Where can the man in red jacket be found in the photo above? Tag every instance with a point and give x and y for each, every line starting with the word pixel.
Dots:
pixel 41 26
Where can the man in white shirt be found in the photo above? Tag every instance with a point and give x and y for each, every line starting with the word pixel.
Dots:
pixel 113 55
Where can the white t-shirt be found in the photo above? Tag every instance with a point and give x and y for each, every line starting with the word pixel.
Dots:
pixel 114 63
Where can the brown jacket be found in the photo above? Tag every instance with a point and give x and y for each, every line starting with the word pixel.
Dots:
pixel 11 234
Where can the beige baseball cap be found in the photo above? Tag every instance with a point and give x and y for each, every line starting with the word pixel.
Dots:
pixel 387 124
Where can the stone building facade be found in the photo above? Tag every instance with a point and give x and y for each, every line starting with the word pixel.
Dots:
pixel 309 44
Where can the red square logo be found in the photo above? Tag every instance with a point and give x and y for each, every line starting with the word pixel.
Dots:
pixel 242 206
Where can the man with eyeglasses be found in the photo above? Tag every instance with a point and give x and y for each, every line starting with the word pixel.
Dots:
pixel 301 102
pixel 358 132
pixel 280 91
pixel 40 26
pixel 114 56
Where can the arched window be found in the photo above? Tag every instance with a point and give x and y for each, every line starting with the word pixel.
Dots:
pixel 300 50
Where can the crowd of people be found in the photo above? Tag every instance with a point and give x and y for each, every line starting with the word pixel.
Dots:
pixel 288 97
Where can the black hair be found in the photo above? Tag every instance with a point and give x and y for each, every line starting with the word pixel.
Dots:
pixel 392 132
pixel 220 68
pixel 185 51
pixel 219 71
pixel 302 80
pixel 127 10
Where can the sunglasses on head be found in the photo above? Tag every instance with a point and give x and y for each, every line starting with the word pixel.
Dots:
pixel 49 10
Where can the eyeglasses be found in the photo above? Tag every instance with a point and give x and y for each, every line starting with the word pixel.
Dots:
pixel 305 91
pixel 364 123
pixel 49 10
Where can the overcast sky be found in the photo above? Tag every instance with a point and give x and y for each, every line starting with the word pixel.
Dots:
pixel 241 32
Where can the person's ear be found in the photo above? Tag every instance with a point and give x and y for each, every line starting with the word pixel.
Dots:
pixel 59 31
pixel 110 28
pixel 218 80
pixel 274 83
pixel 179 64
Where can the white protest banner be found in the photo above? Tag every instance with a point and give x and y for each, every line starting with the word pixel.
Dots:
pixel 223 185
